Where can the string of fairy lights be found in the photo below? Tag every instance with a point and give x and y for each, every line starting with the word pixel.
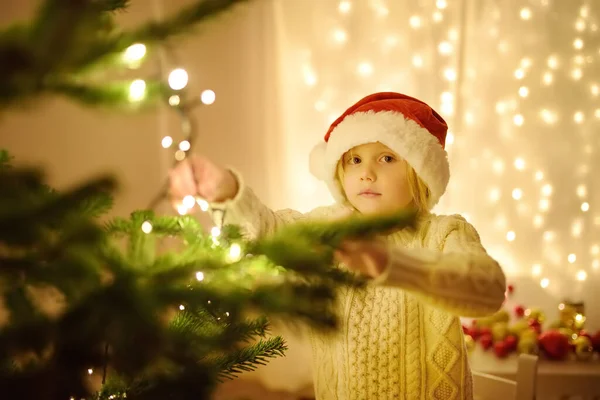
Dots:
pixel 183 105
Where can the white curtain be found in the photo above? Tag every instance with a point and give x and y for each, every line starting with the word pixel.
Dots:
pixel 517 81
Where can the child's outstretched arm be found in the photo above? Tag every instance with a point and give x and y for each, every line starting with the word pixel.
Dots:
pixel 247 211
pixel 461 278
pixel 225 190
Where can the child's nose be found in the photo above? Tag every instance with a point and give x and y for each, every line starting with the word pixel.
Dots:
pixel 368 173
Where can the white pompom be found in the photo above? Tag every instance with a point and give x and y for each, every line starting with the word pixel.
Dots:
pixel 317 161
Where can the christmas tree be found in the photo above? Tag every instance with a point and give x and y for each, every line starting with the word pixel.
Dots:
pixel 149 306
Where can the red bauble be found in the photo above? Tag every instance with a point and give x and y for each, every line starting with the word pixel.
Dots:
pixel 485 332
pixel 595 338
pixel 519 311
pixel 474 332
pixel 535 325
pixel 555 344
pixel 486 341
pixel 510 289
pixel 586 334
pixel 465 330
pixel 511 342
pixel 501 349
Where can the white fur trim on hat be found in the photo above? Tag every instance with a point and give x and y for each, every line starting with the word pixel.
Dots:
pixel 411 141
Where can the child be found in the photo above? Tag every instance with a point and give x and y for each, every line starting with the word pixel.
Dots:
pixel 401 337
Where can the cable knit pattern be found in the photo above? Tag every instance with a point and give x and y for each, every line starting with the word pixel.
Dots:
pixel 401 339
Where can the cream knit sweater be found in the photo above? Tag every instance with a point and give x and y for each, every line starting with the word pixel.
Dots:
pixel 400 338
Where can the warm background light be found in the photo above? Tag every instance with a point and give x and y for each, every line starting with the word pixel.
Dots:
pixel 519 88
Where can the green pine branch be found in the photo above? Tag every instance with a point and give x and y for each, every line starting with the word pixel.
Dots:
pixel 249 358
pixel 69 46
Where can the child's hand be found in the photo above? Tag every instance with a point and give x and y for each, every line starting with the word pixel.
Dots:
pixel 368 257
pixel 198 176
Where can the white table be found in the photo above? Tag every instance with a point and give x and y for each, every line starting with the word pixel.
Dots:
pixel 555 379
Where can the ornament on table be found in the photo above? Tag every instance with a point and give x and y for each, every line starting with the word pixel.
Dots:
pixel 486 341
pixel 535 314
pixel 519 311
pixel 572 315
pixel 501 349
pixel 584 350
pixel 555 344
pixel 469 342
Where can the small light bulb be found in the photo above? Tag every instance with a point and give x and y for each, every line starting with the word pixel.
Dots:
pixel 539 175
pixel 365 69
pixel 538 221
pixel 438 16
pixel 511 236
pixel 181 209
pixel 204 206
pixel 580 25
pixel 553 62
pixel 180 155
pixel 340 36
pixel 166 142
pixel 137 90
pixel 517 194
pixel 581 275
pixel 146 227
pixel 536 270
pixel 548 78
pixel 545 283
pixel 519 74
pixel 450 74
pixel 445 48
pixel 520 164
pixel 415 21
pixel 184 145
pixel 441 4
pixel 189 201
pixel 417 61
pixel 518 120
pixel 134 53
pixel 526 62
pixel 235 252
pixel 523 91
pixel 174 100
pixel 578 44
pixel 577 73
pixel 585 207
pixel 525 14
pixel 344 7
pixel 181 307
pixel 544 205
pixel 547 189
pixel 578 117
pixel 208 97
pixel 90 371
pixel 572 258
pixel 495 195
pixel 178 79
pixel 199 276
pixel 215 232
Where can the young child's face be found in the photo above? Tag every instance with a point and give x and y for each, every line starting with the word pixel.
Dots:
pixel 374 179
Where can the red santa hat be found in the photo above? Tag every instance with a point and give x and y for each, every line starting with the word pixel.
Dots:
pixel 406 125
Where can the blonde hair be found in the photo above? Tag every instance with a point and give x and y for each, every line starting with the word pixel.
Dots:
pixel 419 191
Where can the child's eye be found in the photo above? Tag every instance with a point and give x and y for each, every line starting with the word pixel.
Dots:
pixel 388 159
pixel 354 160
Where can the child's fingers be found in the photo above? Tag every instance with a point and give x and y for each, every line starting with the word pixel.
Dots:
pixel 182 182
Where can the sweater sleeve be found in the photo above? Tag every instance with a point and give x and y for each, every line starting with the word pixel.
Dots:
pixel 461 278
pixel 247 211
pixel 257 220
